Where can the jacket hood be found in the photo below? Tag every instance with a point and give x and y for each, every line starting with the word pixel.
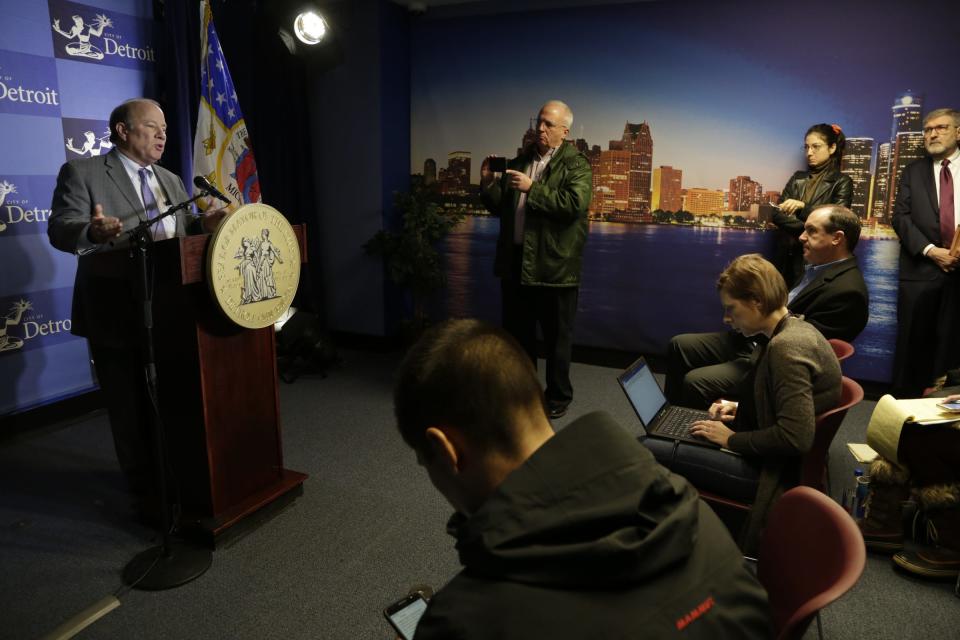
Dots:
pixel 590 508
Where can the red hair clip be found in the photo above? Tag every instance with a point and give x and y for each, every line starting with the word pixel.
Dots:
pixel 836 129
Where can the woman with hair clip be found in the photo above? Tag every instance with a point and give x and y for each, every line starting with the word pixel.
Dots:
pixel 822 183
pixel 794 377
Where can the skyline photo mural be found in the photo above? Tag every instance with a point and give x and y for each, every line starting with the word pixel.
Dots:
pixel 692 115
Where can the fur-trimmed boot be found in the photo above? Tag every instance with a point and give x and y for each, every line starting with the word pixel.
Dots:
pixel 940 505
pixel 882 524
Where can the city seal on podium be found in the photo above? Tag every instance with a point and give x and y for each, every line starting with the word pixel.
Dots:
pixel 253 265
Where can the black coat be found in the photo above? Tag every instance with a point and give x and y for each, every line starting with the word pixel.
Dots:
pixel 591 538
pixel 834 188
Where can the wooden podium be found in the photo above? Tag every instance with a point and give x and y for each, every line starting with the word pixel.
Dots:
pixel 218 395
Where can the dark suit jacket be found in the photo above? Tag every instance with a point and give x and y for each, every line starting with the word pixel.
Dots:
pixel 103 301
pixel 916 219
pixel 836 302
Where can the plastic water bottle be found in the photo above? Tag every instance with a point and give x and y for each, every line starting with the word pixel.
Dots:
pixel 863 489
pixel 849 498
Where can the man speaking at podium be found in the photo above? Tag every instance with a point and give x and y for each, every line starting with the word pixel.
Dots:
pixel 96 199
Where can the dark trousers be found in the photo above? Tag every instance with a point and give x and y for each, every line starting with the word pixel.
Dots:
pixel 928 334
pixel 553 309
pixel 718 472
pixel 123 385
pixel 703 367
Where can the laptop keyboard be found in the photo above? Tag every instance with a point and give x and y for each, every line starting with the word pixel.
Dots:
pixel 678 420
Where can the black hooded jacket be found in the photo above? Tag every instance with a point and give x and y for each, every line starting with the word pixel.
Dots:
pixel 591 538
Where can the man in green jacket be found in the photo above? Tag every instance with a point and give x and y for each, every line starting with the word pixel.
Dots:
pixel 542 201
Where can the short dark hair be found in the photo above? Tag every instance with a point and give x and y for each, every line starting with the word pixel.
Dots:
pixel 121 113
pixel 839 218
pixel 470 375
pixel 832 134
pixel 751 277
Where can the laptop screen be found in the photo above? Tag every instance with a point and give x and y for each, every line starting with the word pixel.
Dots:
pixel 643 391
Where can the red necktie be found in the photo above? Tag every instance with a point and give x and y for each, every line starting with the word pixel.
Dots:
pixel 947 225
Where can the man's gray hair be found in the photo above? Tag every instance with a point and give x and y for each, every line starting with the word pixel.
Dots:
pixel 565 112
pixel 936 113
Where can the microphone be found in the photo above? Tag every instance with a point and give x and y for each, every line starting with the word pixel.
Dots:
pixel 204 185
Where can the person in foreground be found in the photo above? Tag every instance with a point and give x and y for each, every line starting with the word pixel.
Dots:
pixel 542 201
pixel 578 534
pixel 795 377
pixel 96 199
pixel 831 296
pixel 821 183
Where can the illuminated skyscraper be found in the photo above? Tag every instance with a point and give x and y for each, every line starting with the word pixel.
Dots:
pixel 907 114
pixel 907 147
pixel 667 185
pixel 856 164
pixel 639 142
pixel 905 136
pixel 703 201
pixel 743 193
pixel 878 210
pixel 455 180
pixel 612 180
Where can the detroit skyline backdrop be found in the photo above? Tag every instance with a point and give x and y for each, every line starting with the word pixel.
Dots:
pixel 628 185
pixel 728 89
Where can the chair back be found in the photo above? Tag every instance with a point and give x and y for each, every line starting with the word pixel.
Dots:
pixel 810 554
pixel 814 462
pixel 841 348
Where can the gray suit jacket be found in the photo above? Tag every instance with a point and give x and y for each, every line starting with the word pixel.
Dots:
pixel 103 293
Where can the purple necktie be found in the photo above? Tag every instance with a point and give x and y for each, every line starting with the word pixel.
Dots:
pixel 947 224
pixel 150 204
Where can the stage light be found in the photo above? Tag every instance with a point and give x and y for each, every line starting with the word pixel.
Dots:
pixel 310 27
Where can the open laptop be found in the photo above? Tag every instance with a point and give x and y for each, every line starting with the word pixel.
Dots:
pixel 659 418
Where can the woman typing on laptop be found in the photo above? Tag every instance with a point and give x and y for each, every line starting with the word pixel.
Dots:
pixel 794 377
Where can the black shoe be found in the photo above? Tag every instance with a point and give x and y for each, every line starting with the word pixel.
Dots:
pixel 557 409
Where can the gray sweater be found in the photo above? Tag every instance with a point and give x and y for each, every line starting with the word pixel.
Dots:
pixel 797 378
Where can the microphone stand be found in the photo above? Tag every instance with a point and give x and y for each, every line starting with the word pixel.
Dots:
pixel 174 562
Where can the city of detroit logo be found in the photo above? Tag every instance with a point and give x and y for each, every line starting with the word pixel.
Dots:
pixel 21 323
pixel 28 84
pixel 85 138
pixel 90 34
pixel 19 213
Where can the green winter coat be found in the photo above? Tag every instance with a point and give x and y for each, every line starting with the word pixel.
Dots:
pixel 556 219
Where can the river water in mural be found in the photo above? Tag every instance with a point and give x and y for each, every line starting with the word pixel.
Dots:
pixel 643 283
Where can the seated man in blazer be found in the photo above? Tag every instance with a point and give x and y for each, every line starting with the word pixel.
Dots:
pixel 831 296
pixel 95 201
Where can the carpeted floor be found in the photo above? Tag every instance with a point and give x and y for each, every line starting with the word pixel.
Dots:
pixel 368 526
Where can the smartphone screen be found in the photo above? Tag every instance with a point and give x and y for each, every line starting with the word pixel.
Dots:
pixel 404 614
pixel 950 406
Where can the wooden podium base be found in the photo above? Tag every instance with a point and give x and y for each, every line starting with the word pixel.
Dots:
pixel 242 518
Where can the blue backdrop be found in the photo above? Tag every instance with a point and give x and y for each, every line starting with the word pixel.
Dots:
pixel 63 67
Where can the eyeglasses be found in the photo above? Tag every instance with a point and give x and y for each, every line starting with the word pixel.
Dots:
pixel 816 146
pixel 547 123
pixel 939 128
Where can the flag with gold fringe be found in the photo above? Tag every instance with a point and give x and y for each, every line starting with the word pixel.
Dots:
pixel 221 147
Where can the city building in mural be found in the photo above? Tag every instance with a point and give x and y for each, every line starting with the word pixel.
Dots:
pixel 856 163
